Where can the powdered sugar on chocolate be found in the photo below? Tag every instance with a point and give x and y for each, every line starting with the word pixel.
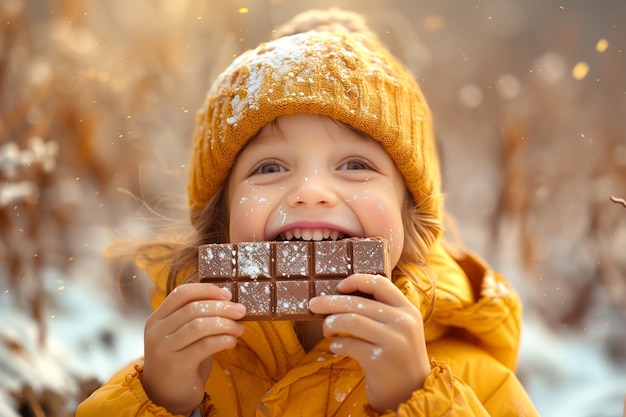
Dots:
pixel 276 280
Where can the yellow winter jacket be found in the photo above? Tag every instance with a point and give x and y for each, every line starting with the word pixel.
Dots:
pixel 472 338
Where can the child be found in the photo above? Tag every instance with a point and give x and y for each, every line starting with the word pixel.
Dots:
pixel 321 134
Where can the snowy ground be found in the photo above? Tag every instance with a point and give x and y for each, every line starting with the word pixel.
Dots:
pixel 89 336
pixel 567 375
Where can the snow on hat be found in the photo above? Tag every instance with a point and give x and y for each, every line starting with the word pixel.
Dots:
pixel 326 63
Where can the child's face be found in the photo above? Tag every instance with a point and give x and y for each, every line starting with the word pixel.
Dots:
pixel 308 177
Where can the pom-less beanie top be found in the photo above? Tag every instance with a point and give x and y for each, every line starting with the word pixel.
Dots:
pixel 335 68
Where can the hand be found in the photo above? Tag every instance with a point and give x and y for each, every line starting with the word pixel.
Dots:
pixel 180 338
pixel 385 335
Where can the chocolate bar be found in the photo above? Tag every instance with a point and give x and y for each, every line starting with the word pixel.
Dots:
pixel 276 280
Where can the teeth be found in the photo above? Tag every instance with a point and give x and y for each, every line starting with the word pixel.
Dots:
pixel 311 234
pixel 307 234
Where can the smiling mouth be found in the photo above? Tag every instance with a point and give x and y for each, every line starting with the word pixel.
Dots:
pixel 299 234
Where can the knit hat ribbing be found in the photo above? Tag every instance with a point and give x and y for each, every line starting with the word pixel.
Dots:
pixel 332 70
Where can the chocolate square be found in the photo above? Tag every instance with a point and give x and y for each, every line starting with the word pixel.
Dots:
pixel 292 297
pixel 332 259
pixel 254 260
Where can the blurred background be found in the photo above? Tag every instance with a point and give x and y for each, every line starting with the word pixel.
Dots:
pixel 97 105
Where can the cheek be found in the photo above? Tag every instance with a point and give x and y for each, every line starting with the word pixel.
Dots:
pixel 240 209
pixel 247 217
pixel 383 218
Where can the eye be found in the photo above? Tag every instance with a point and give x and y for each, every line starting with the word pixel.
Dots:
pixel 356 165
pixel 269 167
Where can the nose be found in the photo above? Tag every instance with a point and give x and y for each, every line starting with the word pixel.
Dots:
pixel 312 191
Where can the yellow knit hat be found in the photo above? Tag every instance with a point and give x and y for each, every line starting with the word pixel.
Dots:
pixel 325 63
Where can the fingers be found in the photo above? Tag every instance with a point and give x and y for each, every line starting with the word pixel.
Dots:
pixel 196 310
pixel 359 350
pixel 191 313
pixel 187 293
pixel 223 333
pixel 382 321
pixel 380 287
pixel 351 324
pixel 384 294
